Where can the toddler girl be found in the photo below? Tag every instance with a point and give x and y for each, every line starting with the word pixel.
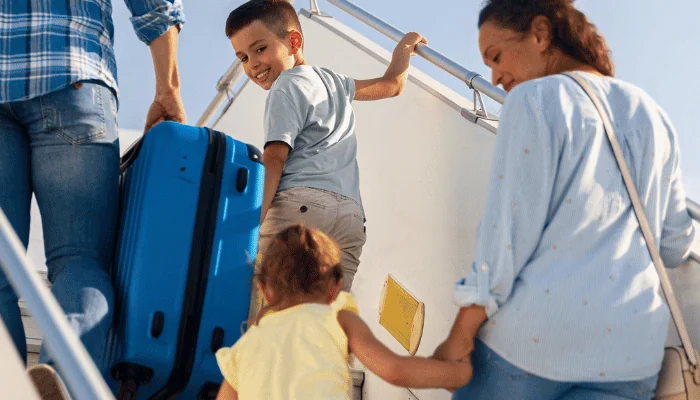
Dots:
pixel 299 343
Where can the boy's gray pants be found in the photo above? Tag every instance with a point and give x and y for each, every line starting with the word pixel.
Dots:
pixel 336 215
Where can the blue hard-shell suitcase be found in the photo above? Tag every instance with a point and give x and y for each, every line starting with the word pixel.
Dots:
pixel 190 216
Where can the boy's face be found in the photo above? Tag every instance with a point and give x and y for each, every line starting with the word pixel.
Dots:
pixel 263 54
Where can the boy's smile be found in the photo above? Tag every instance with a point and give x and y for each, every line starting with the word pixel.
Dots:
pixel 264 54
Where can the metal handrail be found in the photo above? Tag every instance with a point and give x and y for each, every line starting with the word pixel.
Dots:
pixel 230 77
pixel 79 371
pixel 472 79
pixel 693 209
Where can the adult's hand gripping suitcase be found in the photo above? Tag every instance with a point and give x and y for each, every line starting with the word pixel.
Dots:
pixel 191 200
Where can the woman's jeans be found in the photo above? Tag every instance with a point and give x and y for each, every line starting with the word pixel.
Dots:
pixel 63 147
pixel 496 379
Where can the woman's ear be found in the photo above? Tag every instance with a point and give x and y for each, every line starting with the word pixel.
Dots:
pixel 541 29
pixel 297 41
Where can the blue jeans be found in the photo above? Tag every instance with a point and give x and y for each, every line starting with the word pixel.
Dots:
pixel 63 147
pixel 496 379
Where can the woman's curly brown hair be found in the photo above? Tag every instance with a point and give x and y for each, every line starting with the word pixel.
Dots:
pixel 572 33
pixel 299 260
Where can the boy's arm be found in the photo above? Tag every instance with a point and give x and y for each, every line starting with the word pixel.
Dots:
pixel 226 392
pixel 394 79
pixel 405 371
pixel 274 157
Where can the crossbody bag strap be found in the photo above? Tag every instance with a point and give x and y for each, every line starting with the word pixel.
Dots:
pixel 643 222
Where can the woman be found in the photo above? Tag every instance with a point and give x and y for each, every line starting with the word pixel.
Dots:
pixel 562 300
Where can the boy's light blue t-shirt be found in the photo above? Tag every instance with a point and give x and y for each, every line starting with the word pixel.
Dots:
pixel 308 108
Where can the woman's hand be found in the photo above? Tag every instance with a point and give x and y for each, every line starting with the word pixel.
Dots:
pixel 455 349
pixel 459 345
pixel 460 342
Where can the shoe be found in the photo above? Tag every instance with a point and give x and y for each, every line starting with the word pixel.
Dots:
pixel 47 382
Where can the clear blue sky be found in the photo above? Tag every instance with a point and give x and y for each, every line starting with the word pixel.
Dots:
pixel 655 44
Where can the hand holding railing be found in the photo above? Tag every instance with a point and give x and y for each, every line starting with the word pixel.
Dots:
pixel 472 79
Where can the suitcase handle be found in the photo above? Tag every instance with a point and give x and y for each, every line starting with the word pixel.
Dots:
pixel 130 155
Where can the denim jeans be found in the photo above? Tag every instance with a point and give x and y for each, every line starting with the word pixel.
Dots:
pixel 496 379
pixel 63 148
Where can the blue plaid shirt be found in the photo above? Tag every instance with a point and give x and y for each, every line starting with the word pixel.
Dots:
pixel 46 45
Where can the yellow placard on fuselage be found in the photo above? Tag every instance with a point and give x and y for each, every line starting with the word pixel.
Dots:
pixel 402 315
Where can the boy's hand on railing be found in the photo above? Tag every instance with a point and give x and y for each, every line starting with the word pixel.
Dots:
pixel 410 41
pixel 394 79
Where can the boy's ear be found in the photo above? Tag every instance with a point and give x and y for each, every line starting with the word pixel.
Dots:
pixel 297 41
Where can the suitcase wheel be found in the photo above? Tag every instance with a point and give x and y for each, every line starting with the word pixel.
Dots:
pixel 131 377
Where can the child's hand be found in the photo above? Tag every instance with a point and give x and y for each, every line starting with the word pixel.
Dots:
pixel 410 41
pixel 394 79
pixel 454 349
pixel 464 372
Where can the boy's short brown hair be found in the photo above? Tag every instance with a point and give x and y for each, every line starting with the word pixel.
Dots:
pixel 277 15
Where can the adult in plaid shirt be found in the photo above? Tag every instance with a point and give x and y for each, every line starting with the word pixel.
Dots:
pixel 58 140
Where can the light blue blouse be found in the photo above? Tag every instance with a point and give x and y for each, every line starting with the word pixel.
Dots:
pixel 560 261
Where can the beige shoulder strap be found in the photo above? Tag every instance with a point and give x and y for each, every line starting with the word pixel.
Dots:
pixel 643 222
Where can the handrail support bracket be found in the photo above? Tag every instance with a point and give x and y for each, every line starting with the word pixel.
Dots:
pixel 314 8
pixel 479 107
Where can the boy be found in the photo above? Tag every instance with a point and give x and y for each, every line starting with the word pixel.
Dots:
pixel 311 171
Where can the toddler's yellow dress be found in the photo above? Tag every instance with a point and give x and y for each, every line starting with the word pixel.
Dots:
pixel 300 353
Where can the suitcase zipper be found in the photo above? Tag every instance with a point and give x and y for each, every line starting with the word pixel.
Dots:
pixel 198 273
